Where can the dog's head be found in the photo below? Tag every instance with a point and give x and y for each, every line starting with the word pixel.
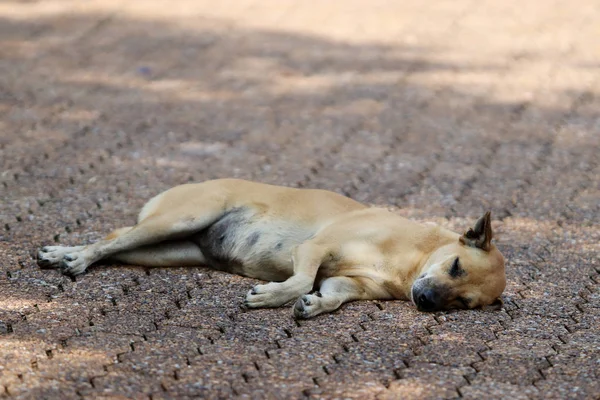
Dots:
pixel 466 274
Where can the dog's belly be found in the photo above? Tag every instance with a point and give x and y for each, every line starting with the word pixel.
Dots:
pixel 244 243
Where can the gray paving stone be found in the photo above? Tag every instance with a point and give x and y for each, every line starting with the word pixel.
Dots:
pixel 440 113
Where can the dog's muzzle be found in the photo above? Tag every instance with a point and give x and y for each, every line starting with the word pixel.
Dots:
pixel 426 300
pixel 427 296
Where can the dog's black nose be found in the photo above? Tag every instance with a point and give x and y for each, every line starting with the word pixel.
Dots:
pixel 427 300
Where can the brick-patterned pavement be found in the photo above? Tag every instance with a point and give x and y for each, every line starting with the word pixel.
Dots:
pixel 443 108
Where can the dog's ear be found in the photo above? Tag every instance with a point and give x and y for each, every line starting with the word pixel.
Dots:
pixel 480 235
pixel 495 306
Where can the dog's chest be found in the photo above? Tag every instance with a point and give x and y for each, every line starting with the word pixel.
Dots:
pixel 247 243
pixel 357 258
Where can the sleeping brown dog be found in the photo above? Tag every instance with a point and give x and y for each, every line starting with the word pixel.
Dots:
pixel 303 240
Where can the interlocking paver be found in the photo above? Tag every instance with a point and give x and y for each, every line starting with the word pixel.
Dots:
pixel 443 112
pixel 429 381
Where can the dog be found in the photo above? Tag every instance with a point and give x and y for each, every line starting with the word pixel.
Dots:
pixel 303 240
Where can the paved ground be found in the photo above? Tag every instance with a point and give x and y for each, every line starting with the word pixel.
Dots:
pixel 444 109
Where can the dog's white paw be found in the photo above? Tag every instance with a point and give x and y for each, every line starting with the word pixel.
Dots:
pixel 73 263
pixel 51 256
pixel 269 295
pixel 308 305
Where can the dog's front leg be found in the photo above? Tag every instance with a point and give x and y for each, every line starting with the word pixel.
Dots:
pixel 307 259
pixel 333 293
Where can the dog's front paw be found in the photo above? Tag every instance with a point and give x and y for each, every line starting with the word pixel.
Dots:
pixel 73 264
pixel 269 295
pixel 52 256
pixel 308 306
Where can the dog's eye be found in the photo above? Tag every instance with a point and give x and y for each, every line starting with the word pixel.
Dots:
pixel 455 270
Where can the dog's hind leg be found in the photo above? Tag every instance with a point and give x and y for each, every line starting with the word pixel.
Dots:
pixel 162 225
pixel 175 253
pixel 331 295
pixel 52 256
pixel 307 259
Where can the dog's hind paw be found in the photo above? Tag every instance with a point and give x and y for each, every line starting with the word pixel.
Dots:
pixel 73 264
pixel 52 256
